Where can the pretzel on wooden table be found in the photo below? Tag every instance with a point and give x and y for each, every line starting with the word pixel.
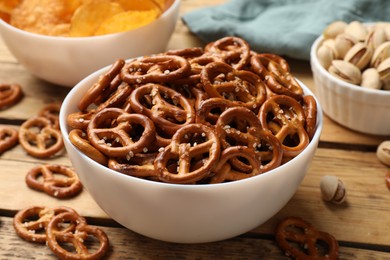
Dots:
pixel 51 111
pixel 31 223
pixel 8 138
pixel 39 138
pixel 58 187
pixel 10 94
pixel 79 236
pixel 301 240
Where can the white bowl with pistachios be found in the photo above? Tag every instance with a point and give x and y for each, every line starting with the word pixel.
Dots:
pixel 351 69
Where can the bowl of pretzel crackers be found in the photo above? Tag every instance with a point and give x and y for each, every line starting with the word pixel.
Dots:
pixel 63 41
pixel 192 145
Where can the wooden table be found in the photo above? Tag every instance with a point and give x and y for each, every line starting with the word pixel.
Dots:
pixel 361 225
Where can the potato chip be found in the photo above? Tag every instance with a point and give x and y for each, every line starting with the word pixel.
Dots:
pixel 5 16
pixel 88 17
pixel 40 16
pixel 162 3
pixel 6 6
pixel 78 18
pixel 127 21
pixel 138 5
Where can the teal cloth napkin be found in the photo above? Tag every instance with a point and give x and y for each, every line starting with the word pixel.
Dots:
pixel 284 27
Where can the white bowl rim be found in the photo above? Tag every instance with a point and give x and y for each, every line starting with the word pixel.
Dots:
pixel 350 86
pixel 313 142
pixel 167 12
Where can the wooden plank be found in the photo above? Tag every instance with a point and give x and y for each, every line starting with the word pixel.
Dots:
pixel 125 244
pixel 364 216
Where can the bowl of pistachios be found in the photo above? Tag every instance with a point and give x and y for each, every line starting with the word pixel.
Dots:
pixel 350 62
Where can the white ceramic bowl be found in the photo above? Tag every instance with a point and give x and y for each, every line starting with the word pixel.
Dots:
pixel 186 213
pixel 65 61
pixel 360 109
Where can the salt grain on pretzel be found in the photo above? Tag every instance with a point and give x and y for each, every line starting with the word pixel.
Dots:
pixel 8 138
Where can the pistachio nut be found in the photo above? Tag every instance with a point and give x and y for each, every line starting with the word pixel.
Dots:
pixel 325 56
pixel 333 29
pixel 360 55
pixel 371 79
pixel 332 189
pixel 384 70
pixel 386 28
pixel 381 53
pixel 345 71
pixel 383 152
pixel 343 43
pixel 375 37
pixel 330 43
pixel 357 30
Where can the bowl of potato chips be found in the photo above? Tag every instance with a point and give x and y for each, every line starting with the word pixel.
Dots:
pixel 63 41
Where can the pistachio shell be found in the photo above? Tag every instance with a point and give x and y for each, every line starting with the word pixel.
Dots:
pixel 330 43
pixel 384 70
pixel 325 56
pixel 360 55
pixel 343 43
pixel 357 30
pixel 381 53
pixel 333 29
pixel 345 71
pixel 371 79
pixel 332 189
pixel 386 28
pixel 375 37
pixel 383 152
